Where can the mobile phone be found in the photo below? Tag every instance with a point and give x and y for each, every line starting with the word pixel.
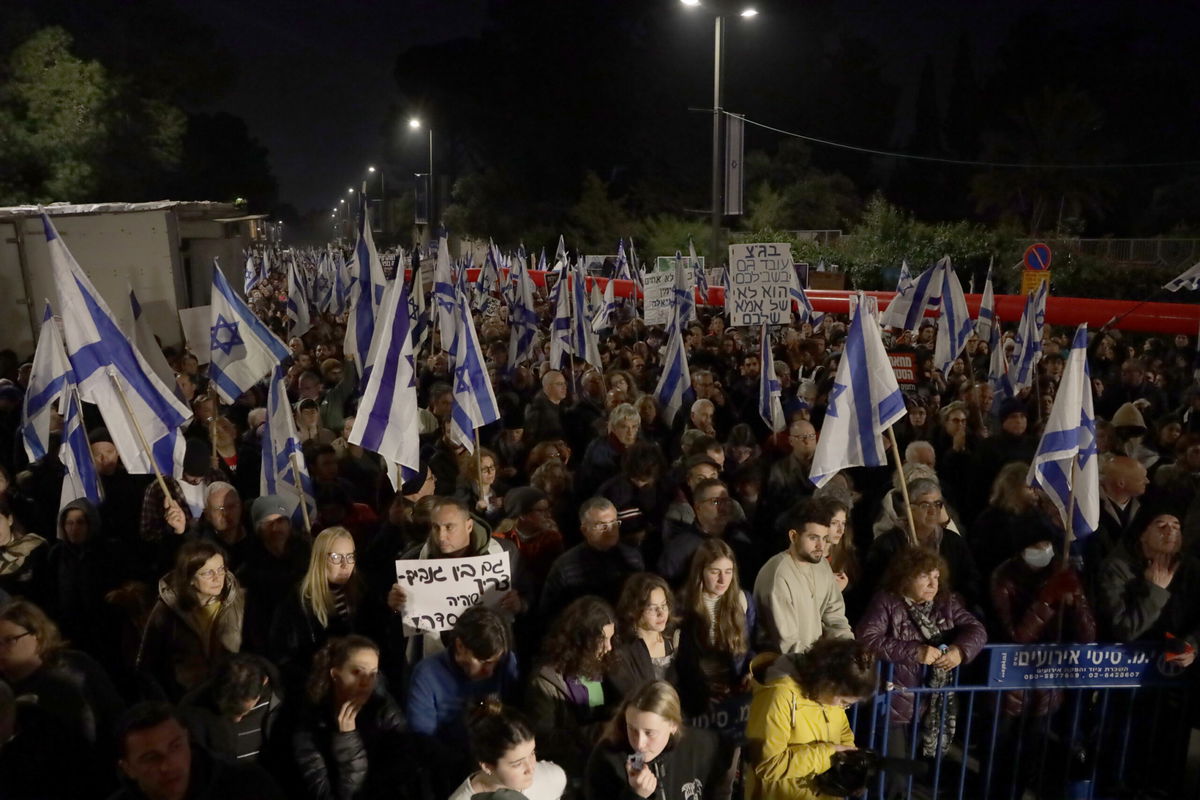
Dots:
pixel 635 762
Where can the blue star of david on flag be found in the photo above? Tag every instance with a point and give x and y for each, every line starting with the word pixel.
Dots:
pixel 838 388
pixel 225 336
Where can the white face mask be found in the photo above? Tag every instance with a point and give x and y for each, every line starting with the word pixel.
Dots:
pixel 1038 557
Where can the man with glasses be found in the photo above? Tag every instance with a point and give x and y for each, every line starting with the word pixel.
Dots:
pixel 222 521
pixel 788 480
pixel 712 506
pixel 598 566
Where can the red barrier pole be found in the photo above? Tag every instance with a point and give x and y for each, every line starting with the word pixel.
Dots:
pixel 1158 318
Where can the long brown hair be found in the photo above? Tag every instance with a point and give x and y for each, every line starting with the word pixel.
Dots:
pixel 635 596
pixel 334 654
pixel 25 614
pixel 729 635
pixel 188 562
pixel 571 646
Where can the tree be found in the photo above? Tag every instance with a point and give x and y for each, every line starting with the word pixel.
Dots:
pixel 596 221
pixel 54 119
pixel 788 193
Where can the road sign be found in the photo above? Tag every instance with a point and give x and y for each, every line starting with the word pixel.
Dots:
pixel 1037 256
pixel 1031 279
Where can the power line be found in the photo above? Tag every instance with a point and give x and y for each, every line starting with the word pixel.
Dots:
pixel 959 161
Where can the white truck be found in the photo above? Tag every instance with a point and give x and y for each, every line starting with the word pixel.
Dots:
pixel 162 250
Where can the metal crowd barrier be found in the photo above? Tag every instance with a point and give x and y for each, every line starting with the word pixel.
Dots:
pixel 1120 726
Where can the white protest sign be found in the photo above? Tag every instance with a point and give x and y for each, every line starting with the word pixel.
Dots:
pixel 197 331
pixel 440 589
pixel 759 277
pixel 658 291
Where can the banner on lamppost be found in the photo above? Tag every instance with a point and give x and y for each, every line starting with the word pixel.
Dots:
pixel 421 207
pixel 735 127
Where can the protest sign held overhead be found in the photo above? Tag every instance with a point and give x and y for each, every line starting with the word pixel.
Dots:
pixel 438 591
pixel 760 277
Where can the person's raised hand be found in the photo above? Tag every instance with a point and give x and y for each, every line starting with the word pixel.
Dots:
pixel 174 515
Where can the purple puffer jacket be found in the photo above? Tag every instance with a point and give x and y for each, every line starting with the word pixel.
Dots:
pixel 889 631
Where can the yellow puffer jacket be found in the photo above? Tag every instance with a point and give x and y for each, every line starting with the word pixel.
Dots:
pixel 789 738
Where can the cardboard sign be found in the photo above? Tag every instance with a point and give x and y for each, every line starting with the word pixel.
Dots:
pixel 905 367
pixel 760 276
pixel 658 292
pixel 1047 666
pixel 439 590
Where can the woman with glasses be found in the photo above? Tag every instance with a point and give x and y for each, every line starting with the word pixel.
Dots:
pixel 478 487
pixel 326 604
pixel 648 635
pixel 67 684
pixel 931 520
pixel 196 622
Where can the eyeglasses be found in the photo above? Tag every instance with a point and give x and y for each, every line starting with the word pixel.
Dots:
pixel 9 641
pixel 209 574
pixel 804 437
pixel 337 559
pixel 606 526
pixel 930 504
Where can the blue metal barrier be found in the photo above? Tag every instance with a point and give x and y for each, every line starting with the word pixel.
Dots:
pixel 1115 724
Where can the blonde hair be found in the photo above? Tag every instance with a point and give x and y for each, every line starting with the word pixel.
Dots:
pixel 315 593
pixel 656 697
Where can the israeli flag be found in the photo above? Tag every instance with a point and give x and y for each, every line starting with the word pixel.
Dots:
pixel 341 283
pixel 675 378
pixel 418 314
pixel 387 421
pixel 111 372
pixel 770 391
pixel 954 328
pixel 907 308
pixel 474 400
pixel 252 276
pixel 522 321
pixel 635 266
pixel 698 272
pixel 283 469
pixel 143 339
pixel 685 297
pixel 1029 338
pixel 324 284
pixel 801 305
pixel 243 348
pixel 560 269
pixel 621 270
pixel 560 327
pixel 80 479
pixel 444 301
pixel 864 402
pixel 1066 458
pixel 1190 279
pixel 366 286
pixel 541 265
pixel 297 302
pixel 987 310
pixel 998 368
pixel 583 338
pixel 608 307
pixel 50 376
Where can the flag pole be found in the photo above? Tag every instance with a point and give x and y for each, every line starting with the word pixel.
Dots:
pixel 912 527
pixel 212 423
pixel 116 382
pixel 300 488
pixel 478 461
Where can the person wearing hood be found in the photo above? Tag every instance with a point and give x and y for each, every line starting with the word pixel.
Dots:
pixel 648 751
pixel 83 566
pixel 1129 427
pixel 1011 443
pixel 196 622
pixel 798 716
pixel 454 533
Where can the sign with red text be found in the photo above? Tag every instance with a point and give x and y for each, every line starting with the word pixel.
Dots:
pixel 905 367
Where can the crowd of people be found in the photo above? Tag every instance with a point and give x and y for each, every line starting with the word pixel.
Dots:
pixel 203 643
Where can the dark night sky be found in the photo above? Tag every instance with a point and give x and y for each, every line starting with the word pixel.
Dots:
pixel 316 78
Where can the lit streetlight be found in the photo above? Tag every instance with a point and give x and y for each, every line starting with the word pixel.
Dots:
pixel 414 123
pixel 720 9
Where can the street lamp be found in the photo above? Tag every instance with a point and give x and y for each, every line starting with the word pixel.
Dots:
pixel 414 123
pixel 746 12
